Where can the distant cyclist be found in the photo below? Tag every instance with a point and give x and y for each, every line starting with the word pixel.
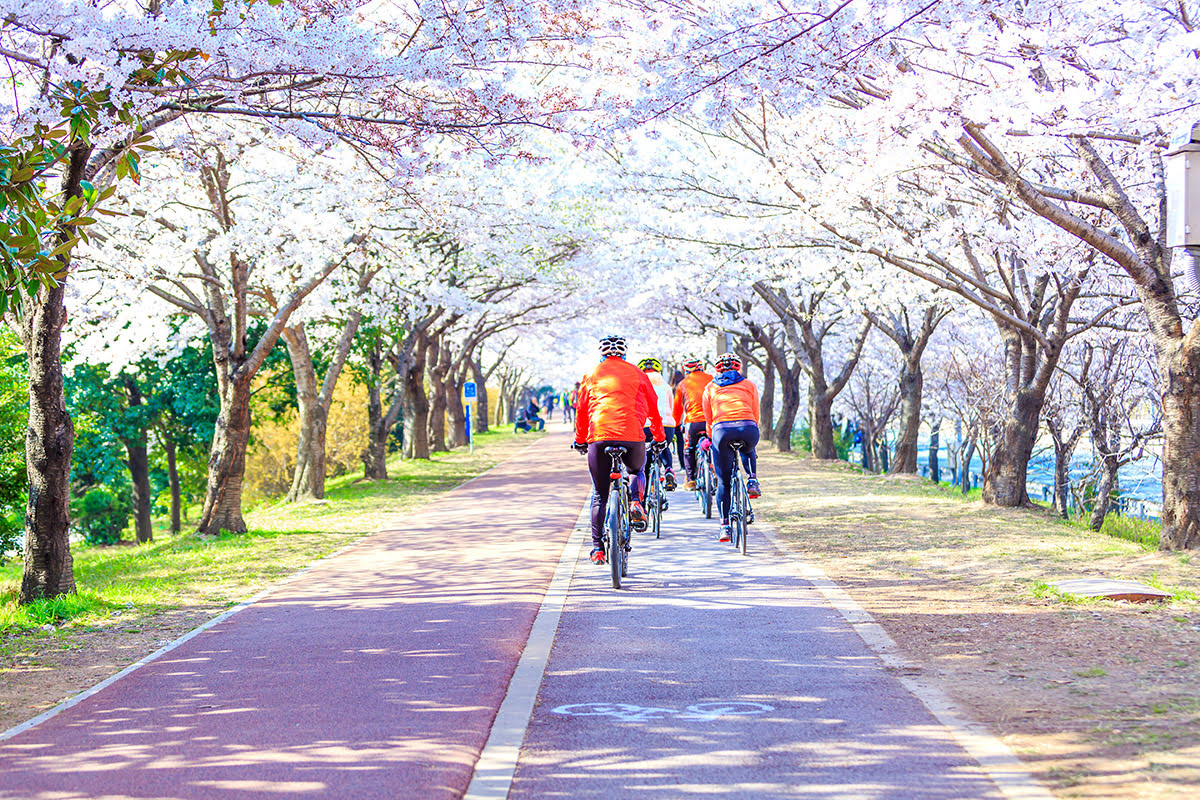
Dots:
pixel 614 402
pixel 731 413
pixel 689 413
pixel 653 369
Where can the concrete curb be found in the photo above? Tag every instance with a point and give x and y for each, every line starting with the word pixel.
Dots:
pixel 497 764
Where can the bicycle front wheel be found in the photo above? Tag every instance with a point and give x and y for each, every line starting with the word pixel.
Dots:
pixel 654 498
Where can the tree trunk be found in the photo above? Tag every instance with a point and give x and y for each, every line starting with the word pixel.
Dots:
pixel 955 454
pixel 50 436
pixel 1004 481
pixel 912 381
pixel 416 421
pixel 374 456
pixel 308 481
pixel 789 408
pixel 138 463
pixel 501 393
pixel 868 447
pixel 1104 490
pixel 436 421
pixel 227 461
pixel 1180 369
pixel 1064 448
pixel 436 417
pixel 480 423
pixel 173 481
pixel 766 401
pixel 49 439
pixel 964 467
pixel 1062 463
pixel 935 467
pixel 457 413
pixel 820 420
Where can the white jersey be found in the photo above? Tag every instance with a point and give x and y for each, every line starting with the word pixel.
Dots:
pixel 666 399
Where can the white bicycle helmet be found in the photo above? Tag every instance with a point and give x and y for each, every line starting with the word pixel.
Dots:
pixel 612 345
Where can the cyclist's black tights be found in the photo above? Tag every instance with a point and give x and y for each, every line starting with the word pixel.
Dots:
pixel 724 434
pixel 665 455
pixel 694 429
pixel 600 465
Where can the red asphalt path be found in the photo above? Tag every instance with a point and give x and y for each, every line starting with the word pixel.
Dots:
pixel 377 674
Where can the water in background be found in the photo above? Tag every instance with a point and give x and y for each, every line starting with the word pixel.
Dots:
pixel 1140 481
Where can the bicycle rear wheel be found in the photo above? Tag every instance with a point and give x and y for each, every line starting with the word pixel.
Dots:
pixel 739 486
pixel 710 488
pixel 612 523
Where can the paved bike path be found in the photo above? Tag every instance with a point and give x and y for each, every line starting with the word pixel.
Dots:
pixel 716 674
pixel 375 675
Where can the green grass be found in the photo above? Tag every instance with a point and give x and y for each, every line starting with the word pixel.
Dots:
pixel 1145 533
pixel 211 572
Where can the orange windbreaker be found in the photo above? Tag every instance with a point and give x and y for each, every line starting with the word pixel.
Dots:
pixel 689 397
pixel 615 402
pixel 737 402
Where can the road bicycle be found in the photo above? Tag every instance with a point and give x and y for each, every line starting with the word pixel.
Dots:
pixel 740 513
pixel 617 523
pixel 655 501
pixel 706 477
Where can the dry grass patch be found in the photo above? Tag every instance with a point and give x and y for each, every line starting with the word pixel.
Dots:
pixel 1101 697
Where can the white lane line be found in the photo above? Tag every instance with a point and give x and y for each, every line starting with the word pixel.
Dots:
pixel 498 761
pixel 160 652
pixel 997 760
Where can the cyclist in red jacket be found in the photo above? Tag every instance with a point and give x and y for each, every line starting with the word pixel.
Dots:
pixel 615 401
pixel 689 413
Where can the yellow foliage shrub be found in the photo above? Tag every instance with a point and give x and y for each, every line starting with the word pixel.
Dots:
pixel 271 460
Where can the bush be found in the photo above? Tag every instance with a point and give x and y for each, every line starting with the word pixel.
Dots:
pixel 102 515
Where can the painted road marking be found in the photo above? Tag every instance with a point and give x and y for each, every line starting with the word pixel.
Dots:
pixel 631 713
pixel 498 761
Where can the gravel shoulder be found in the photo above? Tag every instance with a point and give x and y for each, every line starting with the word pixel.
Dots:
pixel 1101 698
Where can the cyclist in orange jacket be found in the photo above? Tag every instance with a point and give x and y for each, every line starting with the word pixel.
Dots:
pixel 731 410
pixel 615 403
pixel 689 413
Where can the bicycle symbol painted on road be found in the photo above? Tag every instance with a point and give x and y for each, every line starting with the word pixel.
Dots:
pixel 626 712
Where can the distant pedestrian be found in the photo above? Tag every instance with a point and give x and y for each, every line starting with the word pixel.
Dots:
pixel 568 407
pixel 532 416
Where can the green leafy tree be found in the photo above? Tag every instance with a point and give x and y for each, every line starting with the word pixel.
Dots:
pixel 14 398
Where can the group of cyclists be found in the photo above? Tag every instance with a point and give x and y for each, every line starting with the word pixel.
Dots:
pixel 635 408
